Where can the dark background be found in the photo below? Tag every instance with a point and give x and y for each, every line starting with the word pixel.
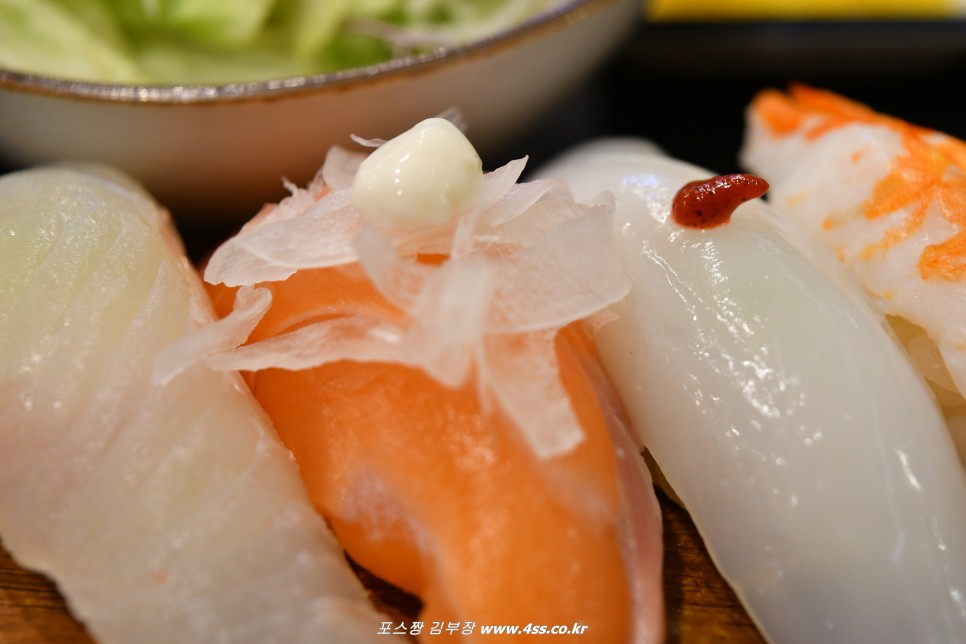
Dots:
pixel 685 85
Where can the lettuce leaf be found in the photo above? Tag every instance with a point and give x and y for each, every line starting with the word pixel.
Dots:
pixel 220 41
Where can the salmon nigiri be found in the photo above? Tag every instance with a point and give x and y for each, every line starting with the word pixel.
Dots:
pixel 164 511
pixel 421 344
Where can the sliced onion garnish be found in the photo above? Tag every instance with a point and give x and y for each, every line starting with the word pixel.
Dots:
pixel 367 143
pixel 398 280
pixel 298 201
pixel 516 201
pixel 514 266
pixel 339 168
pixel 354 338
pixel 555 207
pixel 319 237
pixel 562 278
pixel 250 306
pixel 449 318
pixel 523 375
pixel 496 184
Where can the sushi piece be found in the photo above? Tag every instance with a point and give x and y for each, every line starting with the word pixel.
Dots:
pixel 163 512
pixel 426 359
pixel 888 198
pixel 789 422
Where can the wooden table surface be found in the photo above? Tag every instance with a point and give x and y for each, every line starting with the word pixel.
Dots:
pixel 700 605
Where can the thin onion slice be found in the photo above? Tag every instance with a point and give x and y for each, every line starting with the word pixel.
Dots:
pixel 523 375
pixel 512 268
pixel 313 345
pixel 250 306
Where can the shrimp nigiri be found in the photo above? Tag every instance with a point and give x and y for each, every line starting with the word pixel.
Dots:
pixel 889 199
pixel 809 453
pixel 164 512
pixel 422 355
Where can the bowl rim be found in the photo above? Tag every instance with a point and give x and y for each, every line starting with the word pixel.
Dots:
pixel 563 13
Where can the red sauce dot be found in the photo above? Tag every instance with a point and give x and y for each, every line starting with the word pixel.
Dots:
pixel 709 203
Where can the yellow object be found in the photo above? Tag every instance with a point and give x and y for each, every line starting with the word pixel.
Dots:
pixel 793 9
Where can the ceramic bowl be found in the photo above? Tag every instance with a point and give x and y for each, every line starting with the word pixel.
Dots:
pixel 222 150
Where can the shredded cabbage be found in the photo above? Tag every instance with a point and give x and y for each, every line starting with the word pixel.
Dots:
pixel 219 41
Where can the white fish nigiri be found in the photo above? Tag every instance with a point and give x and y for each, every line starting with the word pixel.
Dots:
pixel 811 456
pixel 165 513
pixel 889 199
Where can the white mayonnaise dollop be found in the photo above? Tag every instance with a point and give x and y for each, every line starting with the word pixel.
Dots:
pixel 423 176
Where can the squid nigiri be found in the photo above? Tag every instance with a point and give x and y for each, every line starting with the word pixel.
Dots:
pixel 889 199
pixel 423 355
pixel 810 454
pixel 164 512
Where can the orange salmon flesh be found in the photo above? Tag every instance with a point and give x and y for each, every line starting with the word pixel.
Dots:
pixel 440 496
